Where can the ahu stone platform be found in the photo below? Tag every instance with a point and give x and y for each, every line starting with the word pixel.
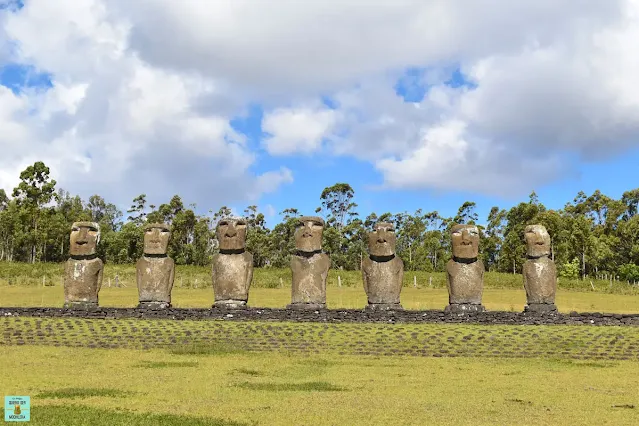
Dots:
pixel 334 316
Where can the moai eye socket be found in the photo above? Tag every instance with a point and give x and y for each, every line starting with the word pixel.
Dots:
pixel 241 224
pixel 224 223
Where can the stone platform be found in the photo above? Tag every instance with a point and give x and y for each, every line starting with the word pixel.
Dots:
pixel 335 316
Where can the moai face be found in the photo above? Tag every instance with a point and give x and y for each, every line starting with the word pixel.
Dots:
pixel 537 241
pixel 465 240
pixel 308 235
pixel 231 234
pixel 84 238
pixel 381 242
pixel 156 238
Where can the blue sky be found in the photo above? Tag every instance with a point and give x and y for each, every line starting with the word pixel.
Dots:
pixel 312 173
pixel 446 115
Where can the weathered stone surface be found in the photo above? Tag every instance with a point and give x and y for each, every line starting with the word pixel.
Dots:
pixel 232 275
pixel 308 235
pixel 585 319
pixel 539 271
pixel 465 282
pixel 540 280
pixel 465 270
pixel 83 271
pixel 309 265
pixel 309 281
pixel 537 241
pixel 465 241
pixel 382 270
pixel 84 239
pixel 155 271
pixel 82 282
pixel 155 277
pixel 231 234
pixel 462 308
pixel 541 308
pixel 232 266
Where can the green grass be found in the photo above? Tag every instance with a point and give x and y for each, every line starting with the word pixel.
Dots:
pixel 200 340
pixel 81 415
pixel 187 276
pixel 167 364
pixel 73 393
pixel 344 297
pixel 298 387
pixel 344 389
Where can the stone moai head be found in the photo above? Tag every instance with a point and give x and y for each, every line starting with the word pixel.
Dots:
pixel 465 239
pixel 156 238
pixel 84 238
pixel 308 235
pixel 537 241
pixel 381 242
pixel 231 234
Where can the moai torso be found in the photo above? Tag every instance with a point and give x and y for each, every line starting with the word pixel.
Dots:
pixel 309 278
pixel 82 280
pixel 383 280
pixel 540 280
pixel 232 275
pixel 155 276
pixel 465 282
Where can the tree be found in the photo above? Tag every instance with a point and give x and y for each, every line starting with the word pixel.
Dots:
pixel 466 214
pixel 35 190
pixel 337 204
pixel 138 215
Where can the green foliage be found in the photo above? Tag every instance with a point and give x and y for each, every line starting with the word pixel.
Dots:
pixel 594 235
pixel 629 272
pixel 569 269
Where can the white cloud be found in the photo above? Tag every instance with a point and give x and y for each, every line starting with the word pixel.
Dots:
pixel 112 123
pixel 297 130
pixel 144 91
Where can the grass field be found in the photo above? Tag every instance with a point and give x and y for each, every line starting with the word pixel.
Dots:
pixel 51 274
pixel 157 372
pixel 279 381
pixel 337 297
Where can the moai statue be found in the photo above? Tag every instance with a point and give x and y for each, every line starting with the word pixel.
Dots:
pixel 155 271
pixel 540 273
pixel 382 270
pixel 83 271
pixel 309 266
pixel 232 266
pixel 465 271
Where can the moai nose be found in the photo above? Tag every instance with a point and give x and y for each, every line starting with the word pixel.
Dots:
pixel 231 231
pixel 307 230
pixel 465 235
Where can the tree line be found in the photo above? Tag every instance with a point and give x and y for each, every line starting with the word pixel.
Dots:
pixel 592 235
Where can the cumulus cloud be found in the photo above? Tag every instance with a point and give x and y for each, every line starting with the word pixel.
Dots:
pixel 297 130
pixel 145 91
pixel 113 124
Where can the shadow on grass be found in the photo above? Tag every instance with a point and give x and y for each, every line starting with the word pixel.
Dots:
pixel 73 393
pixel 221 348
pixel 303 387
pixel 166 364
pixel 78 415
pixel 247 372
pixel 579 363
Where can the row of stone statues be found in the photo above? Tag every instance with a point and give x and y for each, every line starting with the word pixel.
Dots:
pixel 382 269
